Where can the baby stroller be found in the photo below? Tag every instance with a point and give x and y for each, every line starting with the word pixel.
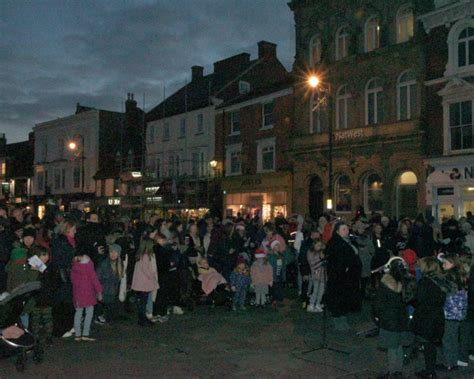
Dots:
pixel 11 307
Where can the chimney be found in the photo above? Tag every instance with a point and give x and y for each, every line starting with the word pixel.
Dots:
pixel 197 72
pixel 266 50
pixel 130 103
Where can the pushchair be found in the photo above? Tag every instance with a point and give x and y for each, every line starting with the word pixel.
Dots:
pixel 11 307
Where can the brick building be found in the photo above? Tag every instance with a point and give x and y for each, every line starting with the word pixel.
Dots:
pixel 369 58
pixel 450 98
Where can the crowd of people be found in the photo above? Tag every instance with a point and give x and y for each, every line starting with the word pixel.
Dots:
pixel 416 274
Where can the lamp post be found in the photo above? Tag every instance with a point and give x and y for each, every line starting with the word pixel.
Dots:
pixel 315 84
pixel 73 146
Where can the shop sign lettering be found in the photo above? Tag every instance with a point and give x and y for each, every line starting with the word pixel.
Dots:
pixel 349 134
pixel 456 174
pixel 251 182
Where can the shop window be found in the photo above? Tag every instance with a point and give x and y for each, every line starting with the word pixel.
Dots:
pixel 266 155
pixel 372 34
pixel 342 42
pixel 343 192
pixel 235 122
pixel 315 50
pixel 373 193
pixel 461 125
pixel 267 110
pixel 404 24
pixel 374 102
pixel 407 195
pixel 318 116
pixel 342 101
pixel 407 99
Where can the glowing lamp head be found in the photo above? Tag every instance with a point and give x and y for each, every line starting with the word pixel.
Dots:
pixel 313 81
pixel 72 145
pixel 213 163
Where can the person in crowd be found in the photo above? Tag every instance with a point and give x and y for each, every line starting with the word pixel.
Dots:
pixel 428 319
pixel 279 259
pixel 145 275
pixel 262 277
pixel 317 265
pixel 91 239
pixel 366 253
pixel 86 290
pixel 382 252
pixel 239 284
pixel 421 239
pixel 344 270
pixel 193 233
pixel 110 273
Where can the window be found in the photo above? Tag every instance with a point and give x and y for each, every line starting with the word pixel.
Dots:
pixel 404 24
pixel 374 102
pixel 130 159
pixel 3 168
pixel 57 178
pixel 343 192
pixel 235 122
pixel 171 166
pixel 342 100
pixel 152 134
pixel 315 51
pixel 40 180
pixel 244 87
pixel 466 47
pixel 77 177
pixel 158 168
pixel 166 131
pixel 342 43
pixel 45 151
pixel 266 155
pixel 233 159
pixel 182 128
pixel 63 178
pixel 200 123
pixel 372 34
pixel 203 164
pixel 195 164
pixel 373 193
pixel 177 163
pixel 461 125
pixel 267 110
pixel 406 95
pixel 318 119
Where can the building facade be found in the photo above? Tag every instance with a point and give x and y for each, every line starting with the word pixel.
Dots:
pixel 359 134
pixel 450 91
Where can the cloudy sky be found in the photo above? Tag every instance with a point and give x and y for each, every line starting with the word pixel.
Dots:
pixel 55 53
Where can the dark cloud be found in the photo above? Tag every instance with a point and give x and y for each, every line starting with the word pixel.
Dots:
pixel 55 53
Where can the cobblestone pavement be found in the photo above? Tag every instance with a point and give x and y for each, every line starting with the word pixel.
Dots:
pixel 215 342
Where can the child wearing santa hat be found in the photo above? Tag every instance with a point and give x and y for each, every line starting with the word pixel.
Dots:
pixel 262 276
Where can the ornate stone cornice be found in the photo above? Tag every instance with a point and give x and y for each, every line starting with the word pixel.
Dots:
pixel 448 15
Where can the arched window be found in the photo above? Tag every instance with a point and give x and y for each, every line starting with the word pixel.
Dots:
pixel 407 195
pixel 343 192
pixel 374 102
pixel 372 34
pixel 373 193
pixel 315 48
pixel 342 100
pixel 318 115
pixel 406 96
pixel 342 42
pixel 466 47
pixel 404 24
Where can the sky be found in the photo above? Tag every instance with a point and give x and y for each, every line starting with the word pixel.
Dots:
pixel 56 53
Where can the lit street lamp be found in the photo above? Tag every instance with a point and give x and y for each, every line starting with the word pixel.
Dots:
pixel 73 146
pixel 315 84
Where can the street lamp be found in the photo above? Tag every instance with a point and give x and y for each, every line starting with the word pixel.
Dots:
pixel 314 83
pixel 73 146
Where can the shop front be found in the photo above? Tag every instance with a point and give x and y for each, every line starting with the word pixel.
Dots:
pixel 450 186
pixel 262 195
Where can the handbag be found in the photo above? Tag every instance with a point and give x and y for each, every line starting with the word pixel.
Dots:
pixel 123 281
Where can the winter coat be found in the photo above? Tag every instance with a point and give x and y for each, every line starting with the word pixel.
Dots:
pixel 287 257
pixel 317 266
pixel 389 307
pixel 239 280
pixel 428 319
pixel 382 248
pixel 61 265
pixel 145 276
pixel 344 272
pixel 366 252
pixel 422 240
pixel 303 264
pixel 45 296
pixel 261 273
pixel 85 285
pixel 109 280
pixel 18 274
pixel 89 238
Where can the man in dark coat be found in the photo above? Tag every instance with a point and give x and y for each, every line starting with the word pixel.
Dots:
pixel 91 239
pixel 344 270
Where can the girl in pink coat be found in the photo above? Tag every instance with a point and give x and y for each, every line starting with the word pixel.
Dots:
pixel 86 289
pixel 261 273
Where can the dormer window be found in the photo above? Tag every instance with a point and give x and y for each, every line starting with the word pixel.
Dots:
pixel 244 87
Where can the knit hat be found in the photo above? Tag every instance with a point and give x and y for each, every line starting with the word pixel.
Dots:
pixel 260 253
pixel 29 232
pixel 18 254
pixel 115 247
pixel 409 256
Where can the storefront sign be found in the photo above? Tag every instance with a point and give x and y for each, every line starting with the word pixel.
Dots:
pixel 446 191
pixel 349 134
pixel 251 182
pixel 464 173
pixel 114 201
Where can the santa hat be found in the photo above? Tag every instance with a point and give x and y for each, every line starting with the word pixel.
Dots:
pixel 274 244
pixel 260 253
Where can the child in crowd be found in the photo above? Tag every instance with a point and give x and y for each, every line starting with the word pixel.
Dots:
pixel 204 268
pixel 262 277
pixel 317 264
pixel 110 272
pixel 279 259
pixel 239 282
pixel 86 289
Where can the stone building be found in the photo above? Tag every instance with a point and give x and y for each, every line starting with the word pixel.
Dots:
pixel 369 58
pixel 450 98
